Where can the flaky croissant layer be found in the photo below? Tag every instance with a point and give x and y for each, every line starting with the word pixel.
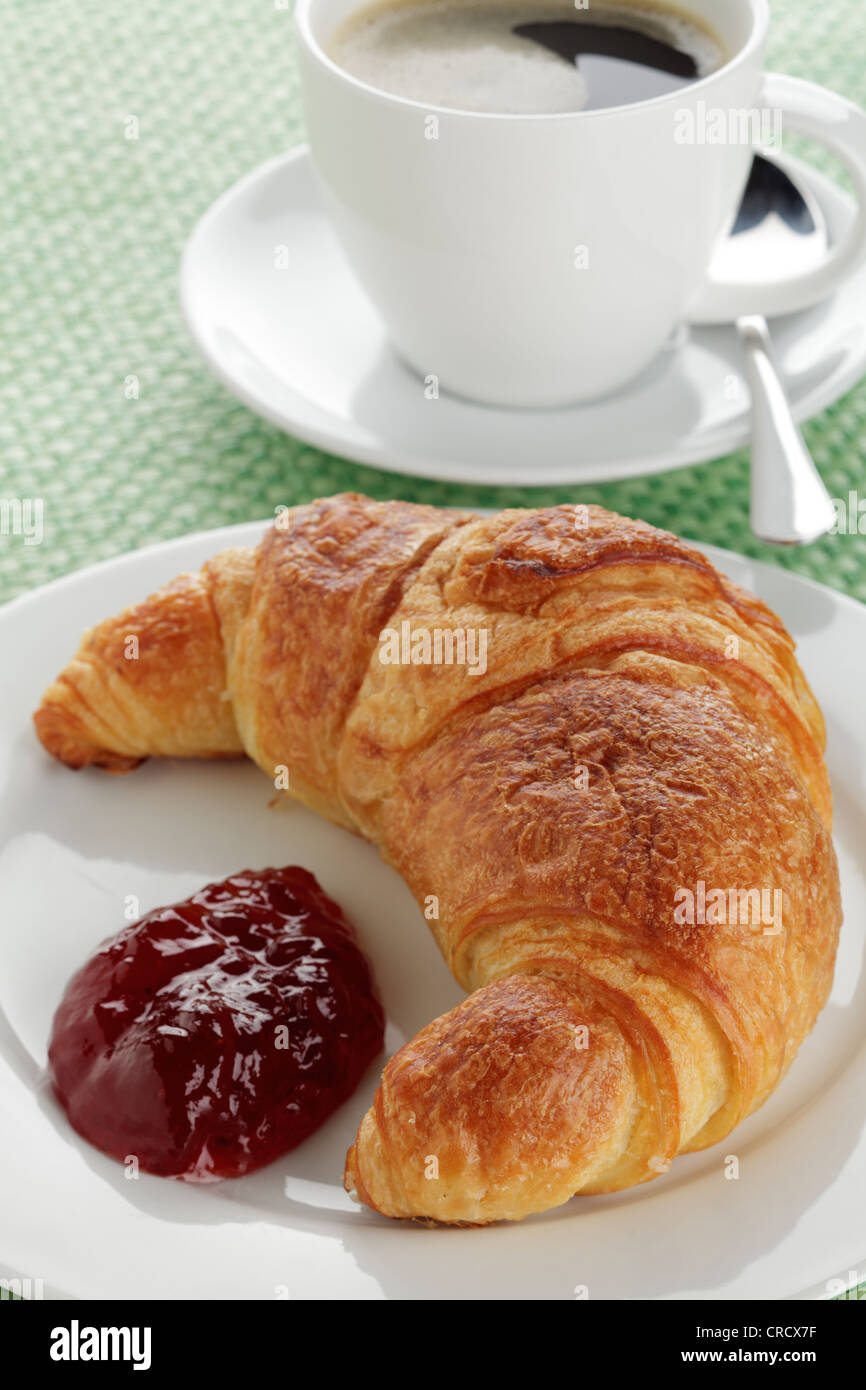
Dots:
pixel 617 823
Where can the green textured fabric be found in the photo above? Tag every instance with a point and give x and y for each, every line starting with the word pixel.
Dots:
pixel 92 228
pixel 93 223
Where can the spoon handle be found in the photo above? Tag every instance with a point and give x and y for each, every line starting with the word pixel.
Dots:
pixel 790 504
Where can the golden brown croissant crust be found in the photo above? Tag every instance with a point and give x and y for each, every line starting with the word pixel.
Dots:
pixel 641 732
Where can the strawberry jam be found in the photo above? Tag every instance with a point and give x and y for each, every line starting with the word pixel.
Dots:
pixel 210 1037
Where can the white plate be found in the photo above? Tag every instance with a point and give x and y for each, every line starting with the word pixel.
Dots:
pixel 304 347
pixel 73 846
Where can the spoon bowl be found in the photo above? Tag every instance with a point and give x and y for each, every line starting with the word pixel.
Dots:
pixel 780 232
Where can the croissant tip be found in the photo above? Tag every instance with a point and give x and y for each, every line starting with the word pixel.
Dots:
pixel 56 731
pixel 351 1182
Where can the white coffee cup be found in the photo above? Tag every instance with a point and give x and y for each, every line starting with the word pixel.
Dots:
pixel 544 260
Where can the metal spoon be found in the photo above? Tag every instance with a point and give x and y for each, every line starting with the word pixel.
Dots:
pixel 780 229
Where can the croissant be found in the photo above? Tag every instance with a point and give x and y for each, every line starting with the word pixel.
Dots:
pixel 618 823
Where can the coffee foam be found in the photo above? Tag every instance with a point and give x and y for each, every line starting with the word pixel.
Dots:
pixel 463 56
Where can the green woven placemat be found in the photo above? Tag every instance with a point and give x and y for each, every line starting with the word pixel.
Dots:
pixel 92 223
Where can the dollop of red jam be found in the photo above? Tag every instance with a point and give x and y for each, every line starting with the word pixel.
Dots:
pixel 210 1037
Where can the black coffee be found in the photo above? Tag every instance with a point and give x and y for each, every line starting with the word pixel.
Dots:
pixel 526 56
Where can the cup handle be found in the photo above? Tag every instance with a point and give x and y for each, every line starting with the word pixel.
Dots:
pixel 841 126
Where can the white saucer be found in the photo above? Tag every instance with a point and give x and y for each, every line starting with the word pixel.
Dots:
pixel 303 347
